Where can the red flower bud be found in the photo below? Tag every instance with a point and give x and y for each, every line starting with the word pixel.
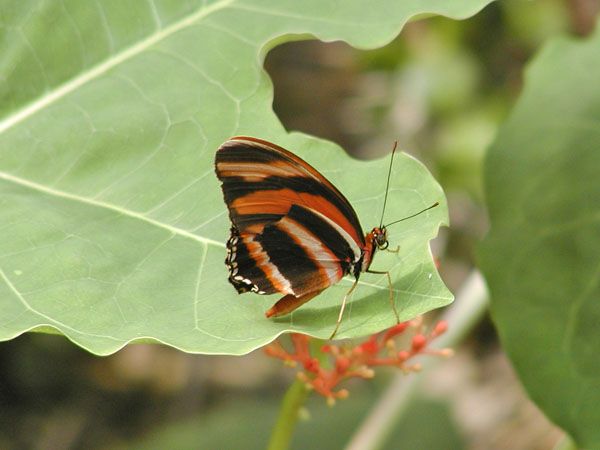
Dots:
pixel 403 355
pixel 418 342
pixel 343 393
pixel 312 365
pixel 369 347
pixel 359 360
pixel 395 331
pixel 440 328
pixel 342 364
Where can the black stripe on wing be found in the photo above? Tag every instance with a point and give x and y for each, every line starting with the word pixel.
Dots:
pixel 234 188
pixel 326 233
pixel 244 220
pixel 245 150
pixel 283 257
pixel 291 259
pixel 238 151
pixel 244 273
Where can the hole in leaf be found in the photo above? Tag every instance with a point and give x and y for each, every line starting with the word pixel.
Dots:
pixel 314 83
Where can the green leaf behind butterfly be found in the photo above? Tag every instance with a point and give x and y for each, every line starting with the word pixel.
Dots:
pixel 113 225
pixel 542 256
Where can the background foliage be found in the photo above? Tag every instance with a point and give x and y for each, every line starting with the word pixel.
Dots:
pixel 442 88
pixel 541 256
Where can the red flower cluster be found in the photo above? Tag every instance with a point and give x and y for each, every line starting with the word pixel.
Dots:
pixel 347 361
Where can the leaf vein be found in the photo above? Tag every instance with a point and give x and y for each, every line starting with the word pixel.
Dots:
pixel 96 71
pixel 123 211
pixel 15 291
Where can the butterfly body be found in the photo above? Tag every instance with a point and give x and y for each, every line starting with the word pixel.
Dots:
pixel 292 231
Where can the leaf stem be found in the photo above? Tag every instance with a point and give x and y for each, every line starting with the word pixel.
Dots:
pixel 288 416
pixel 565 443
pixel 466 311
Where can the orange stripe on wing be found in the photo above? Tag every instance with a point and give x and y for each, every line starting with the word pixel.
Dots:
pixel 256 171
pixel 299 162
pixel 264 202
pixel 280 201
pixel 245 159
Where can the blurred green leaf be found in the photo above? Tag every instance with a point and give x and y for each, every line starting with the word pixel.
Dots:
pixel 541 258
pixel 531 24
pixel 428 426
pixel 112 220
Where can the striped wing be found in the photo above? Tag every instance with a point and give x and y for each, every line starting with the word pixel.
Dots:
pixel 292 231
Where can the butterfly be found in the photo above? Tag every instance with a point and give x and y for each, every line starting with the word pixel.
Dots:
pixel 292 231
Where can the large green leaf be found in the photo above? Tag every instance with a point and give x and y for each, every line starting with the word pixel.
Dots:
pixel 542 256
pixel 112 220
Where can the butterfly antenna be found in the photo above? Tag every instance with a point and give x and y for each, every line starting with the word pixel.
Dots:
pixel 387 185
pixel 415 214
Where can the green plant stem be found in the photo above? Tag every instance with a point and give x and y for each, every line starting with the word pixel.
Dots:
pixel 288 416
pixel 466 311
pixel 566 443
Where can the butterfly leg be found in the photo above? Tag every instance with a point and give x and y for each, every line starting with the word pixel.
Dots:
pixel 289 303
pixel 392 303
pixel 339 321
pixel 396 250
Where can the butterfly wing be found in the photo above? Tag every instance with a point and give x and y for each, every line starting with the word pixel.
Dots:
pixel 292 231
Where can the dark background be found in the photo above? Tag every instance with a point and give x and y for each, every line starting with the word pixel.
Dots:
pixel 441 89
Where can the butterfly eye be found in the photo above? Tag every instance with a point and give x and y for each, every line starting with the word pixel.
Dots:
pixel 381 239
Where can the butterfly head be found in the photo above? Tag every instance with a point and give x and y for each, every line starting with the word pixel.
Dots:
pixel 379 236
